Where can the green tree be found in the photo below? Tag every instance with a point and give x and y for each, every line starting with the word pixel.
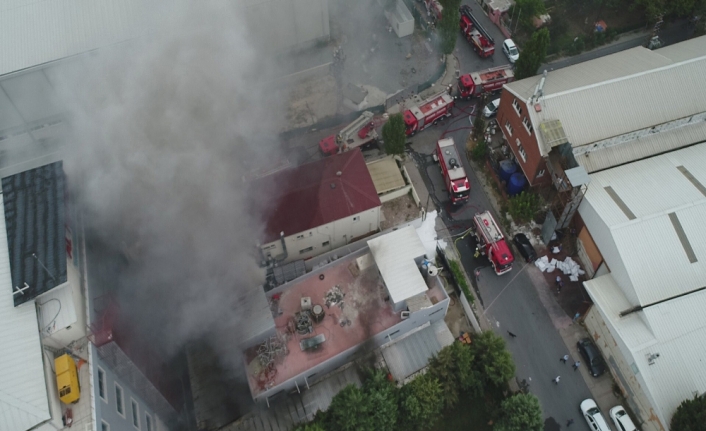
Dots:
pixel 453 368
pixel 520 412
pixel 393 134
pixel 532 55
pixel 421 402
pixel 309 427
pixel 372 408
pixel 690 415
pixel 491 359
pixel 448 26
pixel 525 10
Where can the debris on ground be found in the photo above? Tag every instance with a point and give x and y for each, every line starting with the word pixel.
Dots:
pixel 334 296
pixel 568 266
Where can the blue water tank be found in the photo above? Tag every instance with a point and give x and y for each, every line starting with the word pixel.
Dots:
pixel 507 168
pixel 516 184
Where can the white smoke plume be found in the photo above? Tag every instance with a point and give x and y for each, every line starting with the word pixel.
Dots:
pixel 164 129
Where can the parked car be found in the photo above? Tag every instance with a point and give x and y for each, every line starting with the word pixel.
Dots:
pixel 491 108
pixel 593 358
pixel 510 49
pixel 593 416
pixel 525 247
pixel 621 419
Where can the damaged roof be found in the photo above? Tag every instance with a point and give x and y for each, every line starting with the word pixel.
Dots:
pixel 318 193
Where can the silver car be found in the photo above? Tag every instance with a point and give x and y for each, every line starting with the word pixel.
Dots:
pixel 621 419
pixel 510 50
pixel 593 416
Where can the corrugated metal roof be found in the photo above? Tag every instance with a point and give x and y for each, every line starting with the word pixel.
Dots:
pixel 395 255
pixel 34 218
pixel 23 390
pixel 674 329
pixel 412 353
pixel 651 262
pixel 386 174
pixel 37 32
pixel 619 106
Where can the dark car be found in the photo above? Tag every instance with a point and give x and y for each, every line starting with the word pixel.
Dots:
pixel 593 358
pixel 525 247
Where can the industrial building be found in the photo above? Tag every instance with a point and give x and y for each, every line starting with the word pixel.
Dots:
pixel 606 112
pixel 381 293
pixel 318 207
pixel 645 225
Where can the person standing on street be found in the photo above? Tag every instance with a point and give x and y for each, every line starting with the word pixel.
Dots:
pixel 556 380
pixel 577 364
pixel 564 358
pixel 569 423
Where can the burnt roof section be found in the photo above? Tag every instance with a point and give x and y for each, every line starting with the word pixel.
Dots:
pixel 34 218
pixel 318 193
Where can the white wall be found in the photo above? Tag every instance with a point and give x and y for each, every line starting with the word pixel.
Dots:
pixel 326 237
pixel 70 322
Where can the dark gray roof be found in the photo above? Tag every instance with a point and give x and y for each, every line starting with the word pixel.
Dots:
pixel 34 217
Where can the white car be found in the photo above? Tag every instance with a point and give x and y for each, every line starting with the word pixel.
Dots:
pixel 593 416
pixel 621 419
pixel 491 108
pixel 510 49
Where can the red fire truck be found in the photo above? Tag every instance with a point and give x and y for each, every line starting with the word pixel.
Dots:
pixel 475 34
pixel 491 243
pixel 359 133
pixel 485 81
pixel 454 175
pixel 429 112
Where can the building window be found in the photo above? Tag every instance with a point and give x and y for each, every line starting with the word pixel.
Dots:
pixel 300 236
pixel 325 243
pixel 508 126
pixel 105 426
pixel 101 385
pixel 269 247
pixel 528 125
pixel 306 250
pixel 356 218
pixel 521 150
pixel 517 107
pixel 119 401
pixel 135 414
pixel 148 422
pixel 540 173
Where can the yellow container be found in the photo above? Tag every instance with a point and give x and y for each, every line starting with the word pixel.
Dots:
pixel 67 379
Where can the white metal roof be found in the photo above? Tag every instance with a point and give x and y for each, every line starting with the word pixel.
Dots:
pixel 620 93
pixel 395 255
pixel 23 391
pixel 36 32
pixel 411 353
pixel 627 210
pixel 674 329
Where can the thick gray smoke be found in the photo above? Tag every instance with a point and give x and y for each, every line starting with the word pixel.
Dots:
pixel 165 129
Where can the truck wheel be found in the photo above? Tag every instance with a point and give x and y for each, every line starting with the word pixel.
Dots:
pixel 413 133
pixel 435 122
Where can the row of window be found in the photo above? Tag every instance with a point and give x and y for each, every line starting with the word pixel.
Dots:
pixel 308 249
pixel 120 405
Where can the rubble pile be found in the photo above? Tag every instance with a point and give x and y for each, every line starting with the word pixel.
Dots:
pixel 568 266
pixel 334 296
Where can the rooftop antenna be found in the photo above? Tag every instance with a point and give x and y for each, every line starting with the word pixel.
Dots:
pixel 539 89
pixel 45 268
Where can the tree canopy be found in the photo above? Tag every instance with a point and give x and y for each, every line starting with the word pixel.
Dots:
pixel 690 415
pixel 448 26
pixel 492 360
pixel 453 368
pixel 532 55
pixel 393 134
pixel 421 402
pixel 521 412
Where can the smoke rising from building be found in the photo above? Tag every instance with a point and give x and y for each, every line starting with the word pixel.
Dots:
pixel 164 129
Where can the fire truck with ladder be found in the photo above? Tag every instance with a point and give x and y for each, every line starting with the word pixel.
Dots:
pixel 428 112
pixel 455 177
pixel 491 243
pixel 475 34
pixel 359 133
pixel 485 81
